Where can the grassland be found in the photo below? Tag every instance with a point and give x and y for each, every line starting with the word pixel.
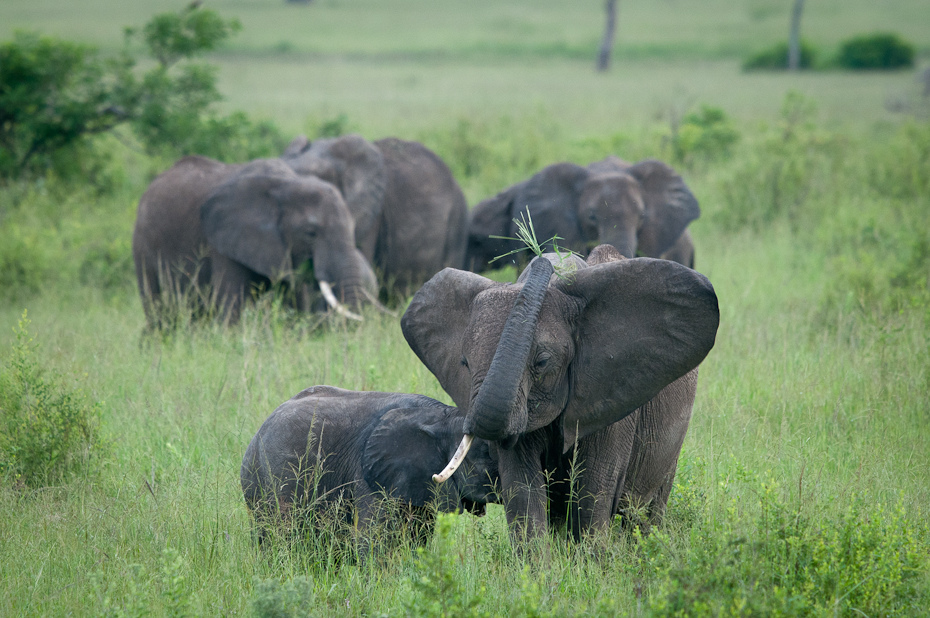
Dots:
pixel 804 483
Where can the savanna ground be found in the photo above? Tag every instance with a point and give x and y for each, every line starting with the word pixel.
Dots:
pixel 804 483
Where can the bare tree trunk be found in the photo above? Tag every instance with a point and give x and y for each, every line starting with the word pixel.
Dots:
pixel 794 36
pixel 607 44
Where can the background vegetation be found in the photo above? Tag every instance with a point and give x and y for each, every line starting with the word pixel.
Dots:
pixel 804 483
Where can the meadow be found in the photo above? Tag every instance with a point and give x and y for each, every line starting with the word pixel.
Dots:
pixel 804 483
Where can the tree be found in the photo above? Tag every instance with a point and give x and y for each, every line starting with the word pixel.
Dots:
pixel 607 43
pixel 56 95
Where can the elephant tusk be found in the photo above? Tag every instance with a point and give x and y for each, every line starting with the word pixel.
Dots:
pixel 327 290
pixel 378 305
pixel 456 460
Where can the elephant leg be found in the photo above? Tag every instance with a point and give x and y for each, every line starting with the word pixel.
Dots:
pixel 596 468
pixel 232 284
pixel 523 489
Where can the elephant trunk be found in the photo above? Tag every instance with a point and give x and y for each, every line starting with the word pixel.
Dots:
pixel 625 241
pixel 498 411
pixel 345 278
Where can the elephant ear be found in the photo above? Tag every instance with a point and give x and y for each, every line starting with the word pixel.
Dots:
pixel 491 217
pixel 645 322
pixel 406 448
pixel 240 220
pixel 434 326
pixel 670 206
pixel 297 146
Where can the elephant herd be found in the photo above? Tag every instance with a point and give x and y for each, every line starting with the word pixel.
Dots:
pixel 573 386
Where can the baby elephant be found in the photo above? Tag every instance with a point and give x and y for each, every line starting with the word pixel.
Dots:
pixel 329 448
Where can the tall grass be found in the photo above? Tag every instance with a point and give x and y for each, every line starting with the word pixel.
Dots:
pixel 803 484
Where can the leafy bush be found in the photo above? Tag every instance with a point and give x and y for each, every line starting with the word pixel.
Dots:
pixel 876 51
pixel 52 96
pixel 707 133
pixel 776 57
pixel 55 95
pixel 780 172
pixel 865 561
pixel 438 590
pixel 273 599
pixel 46 430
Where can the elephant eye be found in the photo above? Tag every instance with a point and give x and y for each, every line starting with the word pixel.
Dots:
pixel 542 360
pixel 465 362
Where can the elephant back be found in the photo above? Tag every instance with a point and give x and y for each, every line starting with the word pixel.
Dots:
pixel 425 214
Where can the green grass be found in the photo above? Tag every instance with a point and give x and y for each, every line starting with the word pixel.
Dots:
pixel 804 483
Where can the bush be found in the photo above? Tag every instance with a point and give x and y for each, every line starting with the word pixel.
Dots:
pixel 780 173
pixel 707 133
pixel 876 51
pixel 56 95
pixel 46 429
pixel 776 57
pixel 865 561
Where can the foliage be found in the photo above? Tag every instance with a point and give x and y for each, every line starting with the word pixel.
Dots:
pixel 439 592
pixel 274 599
pixel 880 50
pixel 776 57
pixel 46 430
pixel 782 171
pixel 863 561
pixel 704 134
pixel 55 95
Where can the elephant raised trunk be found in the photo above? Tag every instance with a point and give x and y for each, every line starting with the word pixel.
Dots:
pixel 498 411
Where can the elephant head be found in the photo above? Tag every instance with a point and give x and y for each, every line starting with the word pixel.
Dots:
pixel 408 445
pixel 640 209
pixel 356 168
pixel 273 221
pixel 570 353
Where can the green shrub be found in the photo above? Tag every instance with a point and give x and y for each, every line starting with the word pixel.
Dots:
pixel 864 561
pixel 46 430
pixel 707 133
pixel 776 57
pixel 876 51
pixel 274 599
pixel 56 95
pixel 437 589
pixel 781 171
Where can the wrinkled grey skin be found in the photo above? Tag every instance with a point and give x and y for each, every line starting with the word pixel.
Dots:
pixel 327 445
pixel 219 230
pixel 598 367
pixel 640 209
pixel 410 214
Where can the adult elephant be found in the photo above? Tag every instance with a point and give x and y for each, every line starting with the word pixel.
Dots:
pixel 640 209
pixel 216 231
pixel 328 446
pixel 410 214
pixel 584 381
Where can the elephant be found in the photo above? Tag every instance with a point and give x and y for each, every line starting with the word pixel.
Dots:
pixel 328 446
pixel 582 379
pixel 410 214
pixel 218 230
pixel 640 209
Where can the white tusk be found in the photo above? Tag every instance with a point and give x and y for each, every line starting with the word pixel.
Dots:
pixel 456 460
pixel 327 290
pixel 378 305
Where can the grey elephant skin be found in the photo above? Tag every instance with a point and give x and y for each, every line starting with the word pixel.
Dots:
pixel 329 446
pixel 214 232
pixel 640 209
pixel 410 214
pixel 593 369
